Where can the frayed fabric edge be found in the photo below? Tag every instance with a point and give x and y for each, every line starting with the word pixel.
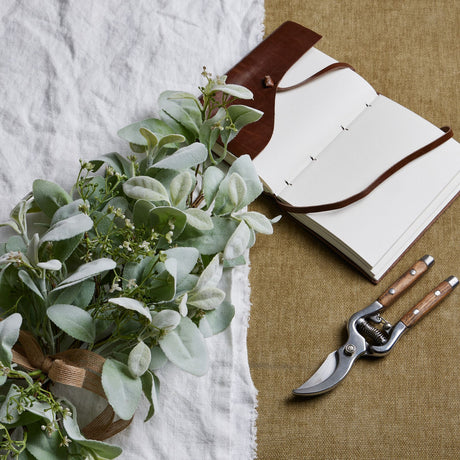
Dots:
pixel 242 281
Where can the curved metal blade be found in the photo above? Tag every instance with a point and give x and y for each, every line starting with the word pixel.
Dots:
pixel 335 367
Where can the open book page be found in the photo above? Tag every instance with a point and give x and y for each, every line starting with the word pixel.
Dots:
pixel 399 247
pixel 387 218
pixel 308 118
pixel 423 221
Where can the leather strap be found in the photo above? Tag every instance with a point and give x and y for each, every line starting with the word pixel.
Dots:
pixel 335 66
pixel 272 57
pixel 358 196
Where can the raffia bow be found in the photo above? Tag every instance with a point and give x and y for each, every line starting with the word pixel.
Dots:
pixel 74 367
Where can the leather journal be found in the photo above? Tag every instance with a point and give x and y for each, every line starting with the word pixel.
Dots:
pixel 365 174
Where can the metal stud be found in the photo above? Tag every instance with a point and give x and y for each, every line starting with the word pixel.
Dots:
pixel 437 293
pixel 350 349
pixel 413 272
pixel 392 291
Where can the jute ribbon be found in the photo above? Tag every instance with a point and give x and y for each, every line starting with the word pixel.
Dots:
pixel 76 368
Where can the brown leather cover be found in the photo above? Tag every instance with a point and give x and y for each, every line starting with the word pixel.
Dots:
pixel 261 71
pixel 273 57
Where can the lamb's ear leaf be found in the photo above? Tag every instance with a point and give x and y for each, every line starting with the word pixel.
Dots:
pixel 186 258
pixel 211 275
pixel 9 333
pixel 151 138
pixel 158 358
pixel 207 298
pixel 145 188
pixel 245 168
pixel 86 271
pixel 63 249
pixel 217 320
pixel 68 228
pixel 131 133
pixel 208 132
pixel 74 321
pixel 171 139
pixel 181 111
pixel 49 196
pixel 162 216
pixel 133 305
pixel 141 212
pixel 79 294
pixel 237 91
pixel 123 391
pixel 40 445
pixel 180 187
pixel 209 242
pixel 184 158
pixel 73 432
pixel 199 219
pixel 238 242
pixel 258 222
pixel 51 265
pixel 212 178
pixel 151 389
pixel 185 347
pixel 29 282
pixel 166 320
pixel 236 190
pixel 118 162
pixel 139 359
pixel 240 116
pixel 68 210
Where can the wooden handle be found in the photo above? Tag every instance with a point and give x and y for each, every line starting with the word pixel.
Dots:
pixel 431 300
pixel 402 283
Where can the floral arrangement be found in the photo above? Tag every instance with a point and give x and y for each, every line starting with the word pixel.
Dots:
pixel 100 287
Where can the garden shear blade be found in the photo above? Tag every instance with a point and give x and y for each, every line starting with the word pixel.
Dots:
pixel 371 335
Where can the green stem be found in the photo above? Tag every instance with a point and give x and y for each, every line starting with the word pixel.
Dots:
pixel 99 347
pixel 51 337
pixel 77 182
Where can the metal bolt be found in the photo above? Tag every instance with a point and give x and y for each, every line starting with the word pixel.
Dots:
pixel 392 291
pixel 413 272
pixel 350 349
pixel 437 293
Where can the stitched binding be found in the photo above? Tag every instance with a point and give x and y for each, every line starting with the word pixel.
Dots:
pixel 358 196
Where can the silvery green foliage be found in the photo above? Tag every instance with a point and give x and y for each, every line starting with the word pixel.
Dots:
pixel 128 265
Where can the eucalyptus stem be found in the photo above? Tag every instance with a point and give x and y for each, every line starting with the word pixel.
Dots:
pixel 51 342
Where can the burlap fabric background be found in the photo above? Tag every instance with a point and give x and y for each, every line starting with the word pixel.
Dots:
pixel 406 405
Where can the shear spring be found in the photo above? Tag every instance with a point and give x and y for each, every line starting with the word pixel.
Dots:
pixel 371 333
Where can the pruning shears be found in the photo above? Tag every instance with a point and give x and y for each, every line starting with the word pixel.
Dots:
pixel 369 334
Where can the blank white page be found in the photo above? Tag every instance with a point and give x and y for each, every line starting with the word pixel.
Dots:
pixel 308 118
pixel 377 139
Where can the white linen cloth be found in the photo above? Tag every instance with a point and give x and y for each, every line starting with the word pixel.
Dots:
pixel 71 74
